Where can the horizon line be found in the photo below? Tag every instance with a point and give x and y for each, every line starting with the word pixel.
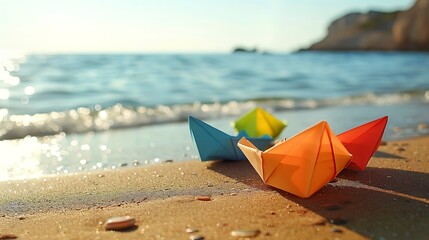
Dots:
pixel 114 52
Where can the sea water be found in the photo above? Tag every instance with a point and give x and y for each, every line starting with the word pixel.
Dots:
pixel 76 113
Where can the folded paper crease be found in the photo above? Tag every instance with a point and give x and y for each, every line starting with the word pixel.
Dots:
pixel 213 144
pixel 363 141
pixel 259 122
pixel 302 164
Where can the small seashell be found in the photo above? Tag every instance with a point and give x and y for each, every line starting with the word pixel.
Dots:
pixel 191 230
pixel 245 233
pixel 120 223
pixel 196 237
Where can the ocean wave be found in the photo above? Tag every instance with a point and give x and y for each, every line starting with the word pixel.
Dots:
pixel 85 119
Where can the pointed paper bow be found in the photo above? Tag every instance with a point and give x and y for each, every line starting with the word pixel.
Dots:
pixel 302 164
pixel 259 122
pixel 363 141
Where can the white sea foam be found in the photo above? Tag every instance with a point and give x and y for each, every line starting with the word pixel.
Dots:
pixel 96 119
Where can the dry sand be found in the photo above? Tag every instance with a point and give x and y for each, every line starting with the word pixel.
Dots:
pixel 389 200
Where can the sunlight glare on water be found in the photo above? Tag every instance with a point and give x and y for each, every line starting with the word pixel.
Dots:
pixel 20 158
pixel 106 111
pixel 29 157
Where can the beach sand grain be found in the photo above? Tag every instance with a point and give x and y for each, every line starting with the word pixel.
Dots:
pixel 389 200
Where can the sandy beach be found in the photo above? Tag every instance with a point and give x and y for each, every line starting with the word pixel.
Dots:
pixel 389 200
pixel 109 111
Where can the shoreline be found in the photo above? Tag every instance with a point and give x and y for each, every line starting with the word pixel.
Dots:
pixel 388 200
pixel 82 152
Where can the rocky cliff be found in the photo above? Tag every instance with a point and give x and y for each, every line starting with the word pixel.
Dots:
pixel 385 31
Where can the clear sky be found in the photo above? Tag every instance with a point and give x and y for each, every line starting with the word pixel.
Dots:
pixel 64 26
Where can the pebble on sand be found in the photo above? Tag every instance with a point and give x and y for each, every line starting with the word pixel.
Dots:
pixel 245 233
pixel 203 198
pixel 196 237
pixel 320 222
pixel 400 149
pixel 120 223
pixel 8 236
pixel 191 230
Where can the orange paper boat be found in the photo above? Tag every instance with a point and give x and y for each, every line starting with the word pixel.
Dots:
pixel 302 164
pixel 363 141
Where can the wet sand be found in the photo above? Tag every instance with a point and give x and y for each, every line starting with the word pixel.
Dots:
pixel 390 200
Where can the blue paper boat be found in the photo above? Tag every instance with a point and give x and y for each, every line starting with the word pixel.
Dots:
pixel 213 144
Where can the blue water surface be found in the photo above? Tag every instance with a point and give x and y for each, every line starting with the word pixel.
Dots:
pixel 78 113
pixel 63 82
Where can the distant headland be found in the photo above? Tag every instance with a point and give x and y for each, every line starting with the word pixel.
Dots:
pixel 406 30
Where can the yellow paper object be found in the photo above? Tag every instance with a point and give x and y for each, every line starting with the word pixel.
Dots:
pixel 302 164
pixel 259 122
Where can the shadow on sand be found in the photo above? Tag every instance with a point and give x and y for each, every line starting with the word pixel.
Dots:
pixel 378 203
pixel 380 154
